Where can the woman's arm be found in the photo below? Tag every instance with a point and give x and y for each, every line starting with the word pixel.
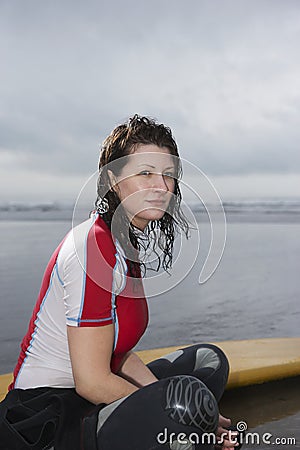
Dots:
pixel 90 351
pixel 135 371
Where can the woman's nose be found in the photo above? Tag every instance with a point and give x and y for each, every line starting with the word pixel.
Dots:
pixel 160 182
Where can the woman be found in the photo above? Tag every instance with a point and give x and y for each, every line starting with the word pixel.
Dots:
pixel 91 312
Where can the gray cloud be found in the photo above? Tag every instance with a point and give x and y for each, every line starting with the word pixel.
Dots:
pixel 224 75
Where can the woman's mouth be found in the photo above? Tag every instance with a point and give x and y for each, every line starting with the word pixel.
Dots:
pixel 157 203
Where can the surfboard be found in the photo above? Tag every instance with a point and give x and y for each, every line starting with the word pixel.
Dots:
pixel 5 380
pixel 251 361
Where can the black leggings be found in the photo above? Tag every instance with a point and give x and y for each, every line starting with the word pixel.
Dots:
pixel 180 407
pixel 184 400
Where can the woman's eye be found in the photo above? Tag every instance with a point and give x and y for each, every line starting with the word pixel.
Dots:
pixel 169 174
pixel 145 172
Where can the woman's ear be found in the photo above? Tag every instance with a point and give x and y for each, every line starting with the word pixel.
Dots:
pixel 113 181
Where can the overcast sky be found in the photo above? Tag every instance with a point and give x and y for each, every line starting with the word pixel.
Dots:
pixel 224 75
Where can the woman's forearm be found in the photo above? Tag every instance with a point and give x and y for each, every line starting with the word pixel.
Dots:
pixel 106 390
pixel 132 375
pixel 135 371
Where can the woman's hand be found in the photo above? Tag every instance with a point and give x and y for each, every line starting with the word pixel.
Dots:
pixel 227 439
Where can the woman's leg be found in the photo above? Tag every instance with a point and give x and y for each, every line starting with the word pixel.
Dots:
pixel 206 362
pixel 177 413
pixel 192 380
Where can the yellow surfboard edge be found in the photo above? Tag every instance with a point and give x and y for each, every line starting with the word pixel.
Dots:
pixel 5 380
pixel 251 361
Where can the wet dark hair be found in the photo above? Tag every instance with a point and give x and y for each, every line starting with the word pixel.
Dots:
pixel 121 142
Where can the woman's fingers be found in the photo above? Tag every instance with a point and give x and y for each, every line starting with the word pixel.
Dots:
pixel 224 421
pixel 227 439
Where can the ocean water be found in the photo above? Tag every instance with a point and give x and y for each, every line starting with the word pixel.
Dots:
pixel 253 293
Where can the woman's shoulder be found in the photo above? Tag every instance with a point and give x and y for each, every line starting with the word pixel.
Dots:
pixel 94 226
pixel 91 234
pixel 94 235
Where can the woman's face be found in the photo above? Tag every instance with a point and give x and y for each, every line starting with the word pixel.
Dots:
pixel 146 183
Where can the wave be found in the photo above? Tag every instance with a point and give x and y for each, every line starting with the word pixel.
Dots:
pixel 254 206
pixel 22 206
pixel 39 211
pixel 232 207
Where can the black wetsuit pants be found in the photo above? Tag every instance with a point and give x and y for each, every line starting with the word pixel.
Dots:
pixel 179 411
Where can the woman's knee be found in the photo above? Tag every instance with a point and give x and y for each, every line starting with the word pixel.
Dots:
pixel 210 356
pixel 188 401
pixel 177 404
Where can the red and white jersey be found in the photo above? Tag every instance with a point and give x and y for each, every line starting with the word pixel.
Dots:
pixel 85 285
